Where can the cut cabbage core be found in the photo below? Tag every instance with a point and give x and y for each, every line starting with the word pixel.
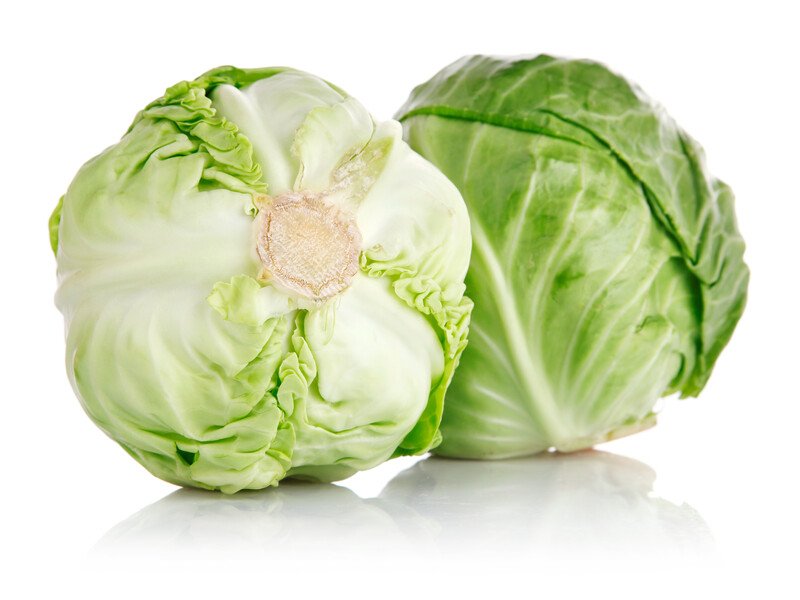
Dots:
pixel 307 245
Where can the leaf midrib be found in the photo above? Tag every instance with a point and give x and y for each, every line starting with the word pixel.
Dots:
pixel 541 402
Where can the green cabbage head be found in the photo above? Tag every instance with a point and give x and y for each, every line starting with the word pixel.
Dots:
pixel 260 281
pixel 607 266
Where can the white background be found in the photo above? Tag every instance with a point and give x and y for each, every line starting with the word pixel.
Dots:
pixel 704 504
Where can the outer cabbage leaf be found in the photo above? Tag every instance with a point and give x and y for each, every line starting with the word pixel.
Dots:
pixel 607 269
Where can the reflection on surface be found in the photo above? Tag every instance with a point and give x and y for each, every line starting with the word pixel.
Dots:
pixel 296 517
pixel 575 504
pixel 556 503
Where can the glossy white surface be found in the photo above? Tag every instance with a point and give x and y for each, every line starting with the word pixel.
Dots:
pixel 703 505
pixel 558 505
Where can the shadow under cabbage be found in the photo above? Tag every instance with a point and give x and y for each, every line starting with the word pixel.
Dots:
pixel 577 505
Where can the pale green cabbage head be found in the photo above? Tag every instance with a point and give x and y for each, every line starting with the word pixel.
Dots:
pixel 260 281
pixel 607 266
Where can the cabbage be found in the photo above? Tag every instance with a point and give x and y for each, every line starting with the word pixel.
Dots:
pixel 259 281
pixel 607 267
